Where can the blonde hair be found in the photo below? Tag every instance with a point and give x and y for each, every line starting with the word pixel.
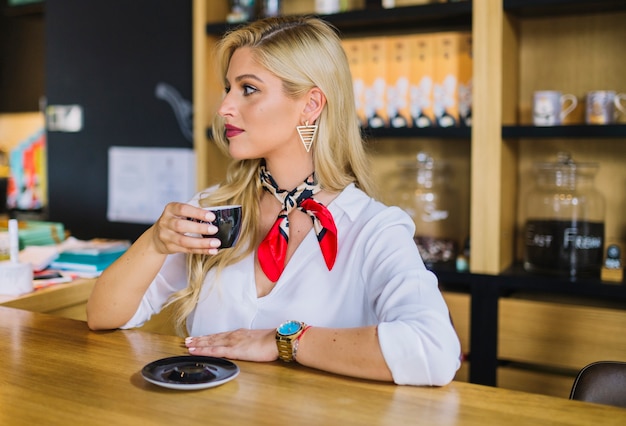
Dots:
pixel 304 52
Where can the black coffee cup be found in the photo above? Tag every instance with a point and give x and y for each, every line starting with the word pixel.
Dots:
pixel 228 222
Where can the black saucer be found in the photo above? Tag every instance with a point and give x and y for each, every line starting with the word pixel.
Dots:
pixel 190 372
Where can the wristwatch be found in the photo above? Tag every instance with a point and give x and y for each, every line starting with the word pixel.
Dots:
pixel 286 334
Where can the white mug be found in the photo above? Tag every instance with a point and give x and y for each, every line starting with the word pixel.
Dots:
pixel 603 105
pixel 549 107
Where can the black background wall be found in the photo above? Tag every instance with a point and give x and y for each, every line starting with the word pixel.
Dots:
pixel 108 56
pixel 21 57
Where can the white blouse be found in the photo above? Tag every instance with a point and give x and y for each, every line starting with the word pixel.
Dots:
pixel 378 278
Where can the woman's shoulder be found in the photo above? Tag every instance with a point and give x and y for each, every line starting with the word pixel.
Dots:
pixel 195 200
pixel 359 206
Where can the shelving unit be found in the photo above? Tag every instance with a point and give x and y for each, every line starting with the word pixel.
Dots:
pixel 519 46
pixel 487 291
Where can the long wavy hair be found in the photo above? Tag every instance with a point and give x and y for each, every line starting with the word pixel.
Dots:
pixel 304 52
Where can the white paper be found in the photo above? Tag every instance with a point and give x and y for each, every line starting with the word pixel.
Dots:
pixel 143 180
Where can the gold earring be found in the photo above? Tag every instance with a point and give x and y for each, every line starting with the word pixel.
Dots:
pixel 307 134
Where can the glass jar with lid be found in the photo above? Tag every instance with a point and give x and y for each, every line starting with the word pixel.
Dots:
pixel 564 231
pixel 423 192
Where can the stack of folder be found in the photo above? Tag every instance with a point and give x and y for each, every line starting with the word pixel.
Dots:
pixel 91 256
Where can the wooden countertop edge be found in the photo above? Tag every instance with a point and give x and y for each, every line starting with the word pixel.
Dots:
pixel 52 298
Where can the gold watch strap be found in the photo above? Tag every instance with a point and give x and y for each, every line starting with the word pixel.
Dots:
pixel 285 344
pixel 285 348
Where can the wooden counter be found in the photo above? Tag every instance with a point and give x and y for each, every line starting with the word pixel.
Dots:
pixel 67 299
pixel 56 371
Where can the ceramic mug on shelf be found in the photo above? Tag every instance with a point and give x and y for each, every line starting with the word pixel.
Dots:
pixel 550 107
pixel 602 106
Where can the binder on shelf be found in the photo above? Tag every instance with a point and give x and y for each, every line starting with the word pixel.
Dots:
pixel 375 82
pixel 465 73
pixel 354 49
pixel 452 90
pixel 421 80
pixel 398 72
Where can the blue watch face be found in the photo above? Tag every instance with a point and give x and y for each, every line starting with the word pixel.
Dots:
pixel 289 328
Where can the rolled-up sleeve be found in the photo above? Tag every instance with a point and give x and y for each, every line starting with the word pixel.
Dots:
pixel 416 335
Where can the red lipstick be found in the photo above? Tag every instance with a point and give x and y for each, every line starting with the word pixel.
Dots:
pixel 232 131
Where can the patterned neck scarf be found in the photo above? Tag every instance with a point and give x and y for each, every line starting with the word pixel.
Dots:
pixel 273 249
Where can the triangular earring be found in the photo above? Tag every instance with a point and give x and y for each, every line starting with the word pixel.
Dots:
pixel 307 134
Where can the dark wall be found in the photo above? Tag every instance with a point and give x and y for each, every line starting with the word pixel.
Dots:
pixel 22 68
pixel 108 56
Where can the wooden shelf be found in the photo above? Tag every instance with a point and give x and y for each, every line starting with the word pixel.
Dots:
pixel 546 8
pixel 516 279
pixel 428 17
pixel 441 15
pixel 569 132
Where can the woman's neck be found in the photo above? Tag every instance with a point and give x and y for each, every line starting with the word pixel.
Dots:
pixel 288 175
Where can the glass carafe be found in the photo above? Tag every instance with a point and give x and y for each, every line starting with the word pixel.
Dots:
pixel 564 231
pixel 423 192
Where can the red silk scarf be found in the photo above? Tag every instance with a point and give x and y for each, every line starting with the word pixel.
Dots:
pixel 272 251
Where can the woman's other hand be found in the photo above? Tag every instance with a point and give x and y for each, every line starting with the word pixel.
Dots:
pixel 242 344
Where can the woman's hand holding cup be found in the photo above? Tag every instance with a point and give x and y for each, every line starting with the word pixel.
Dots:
pixel 226 224
pixel 180 227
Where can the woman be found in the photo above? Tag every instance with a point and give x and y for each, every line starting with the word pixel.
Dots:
pixel 340 263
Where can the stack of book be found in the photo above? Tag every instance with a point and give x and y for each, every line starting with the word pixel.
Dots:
pixel 37 233
pixel 88 257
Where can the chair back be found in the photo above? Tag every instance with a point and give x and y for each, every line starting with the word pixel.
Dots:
pixel 602 382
